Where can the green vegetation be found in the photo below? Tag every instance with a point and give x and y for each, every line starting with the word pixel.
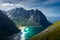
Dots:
pixel 51 33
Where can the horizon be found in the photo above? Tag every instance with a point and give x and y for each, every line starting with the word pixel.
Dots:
pixel 50 8
pixel 51 18
pixel 23 19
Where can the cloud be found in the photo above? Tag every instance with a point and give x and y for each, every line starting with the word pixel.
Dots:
pixel 31 3
pixel 48 7
pixel 10 1
pixel 15 1
pixel 51 1
pixel 8 6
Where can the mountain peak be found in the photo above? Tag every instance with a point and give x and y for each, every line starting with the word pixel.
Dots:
pixel 37 10
pixel 21 14
pixel 20 9
pixel 32 10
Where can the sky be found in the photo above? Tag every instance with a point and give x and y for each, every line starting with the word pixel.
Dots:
pixel 51 8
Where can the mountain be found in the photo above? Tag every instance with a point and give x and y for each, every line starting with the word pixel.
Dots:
pixel 35 20
pixel 41 18
pixel 51 33
pixel 4 12
pixel 29 17
pixel 7 27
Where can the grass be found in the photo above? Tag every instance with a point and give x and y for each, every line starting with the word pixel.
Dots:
pixel 51 33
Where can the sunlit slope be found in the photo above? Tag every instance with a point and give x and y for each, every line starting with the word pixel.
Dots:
pixel 51 33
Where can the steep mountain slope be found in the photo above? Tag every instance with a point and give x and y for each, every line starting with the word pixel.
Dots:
pixel 51 33
pixel 7 26
pixel 41 18
pixel 33 18
pixel 29 17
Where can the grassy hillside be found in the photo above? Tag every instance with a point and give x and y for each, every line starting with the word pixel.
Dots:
pixel 51 33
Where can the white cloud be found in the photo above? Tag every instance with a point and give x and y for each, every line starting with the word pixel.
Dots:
pixel 8 6
pixel 29 4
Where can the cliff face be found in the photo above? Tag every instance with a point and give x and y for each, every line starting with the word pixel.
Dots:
pixel 41 18
pixel 29 17
pixel 7 26
pixel 33 18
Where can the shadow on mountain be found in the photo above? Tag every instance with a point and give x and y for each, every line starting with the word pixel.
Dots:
pixel 28 17
pixel 35 20
pixel 7 27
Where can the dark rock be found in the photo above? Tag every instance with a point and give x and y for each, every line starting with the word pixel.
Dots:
pixel 33 18
pixel 41 18
pixel 7 27
pixel 29 17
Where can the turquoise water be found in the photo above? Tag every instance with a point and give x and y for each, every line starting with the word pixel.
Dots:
pixel 31 31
